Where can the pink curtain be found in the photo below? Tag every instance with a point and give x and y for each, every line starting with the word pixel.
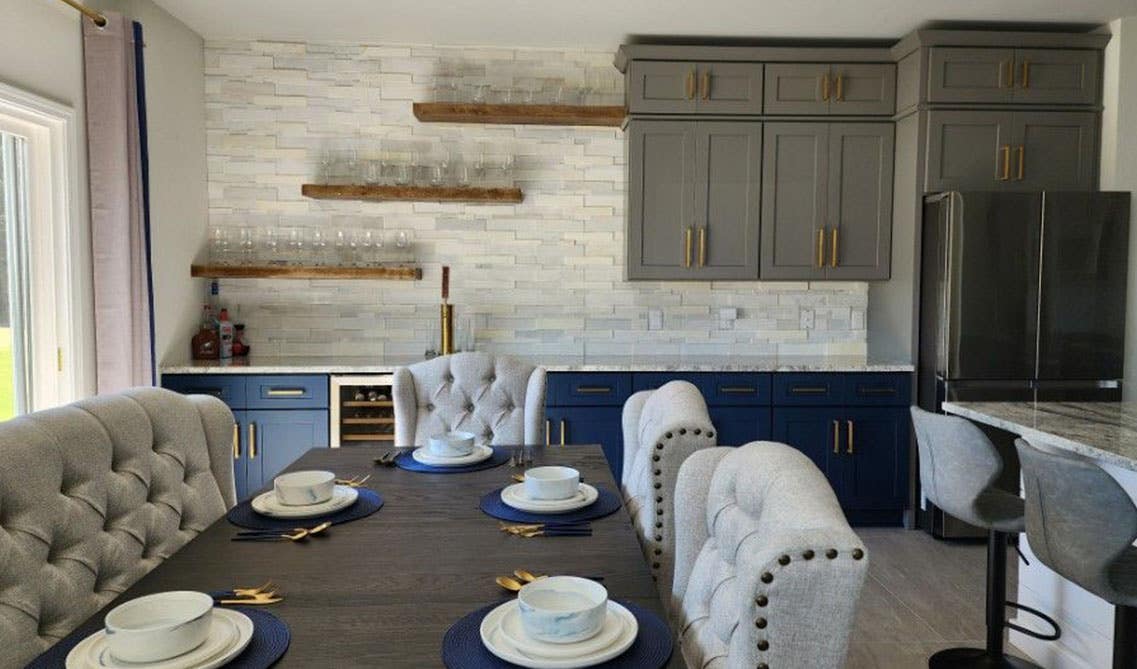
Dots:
pixel 118 233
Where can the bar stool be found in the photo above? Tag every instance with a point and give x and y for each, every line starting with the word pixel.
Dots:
pixel 958 468
pixel 1082 524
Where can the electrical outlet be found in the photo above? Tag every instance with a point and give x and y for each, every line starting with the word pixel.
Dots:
pixel 727 316
pixel 806 319
pixel 655 319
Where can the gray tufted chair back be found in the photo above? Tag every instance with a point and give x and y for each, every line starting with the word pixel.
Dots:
pixel 662 428
pixel 958 469
pixel 499 399
pixel 94 495
pixel 767 572
pixel 1080 522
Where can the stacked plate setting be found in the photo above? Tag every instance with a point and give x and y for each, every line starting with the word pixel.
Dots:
pixel 453 449
pixel 561 622
pixel 306 494
pixel 550 490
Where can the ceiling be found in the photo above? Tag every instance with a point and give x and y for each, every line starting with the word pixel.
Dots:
pixel 607 23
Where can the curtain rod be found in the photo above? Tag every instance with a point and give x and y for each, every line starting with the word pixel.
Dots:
pixel 95 17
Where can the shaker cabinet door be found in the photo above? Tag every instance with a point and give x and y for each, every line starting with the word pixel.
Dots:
pixel 661 181
pixel 728 180
pixel 874 459
pixel 860 200
pixel 863 89
pixel 661 87
pixel 794 200
pixel 796 88
pixel 968 150
pixel 1055 151
pixel 1057 76
pixel 959 74
pixel 730 88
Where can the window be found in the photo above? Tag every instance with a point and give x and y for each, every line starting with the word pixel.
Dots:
pixel 41 328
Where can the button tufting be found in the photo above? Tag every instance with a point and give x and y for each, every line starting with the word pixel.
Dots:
pixel 761 600
pixel 767 577
pixel 430 407
pixel 491 378
pixel 469 407
pixel 784 560
pixel 657 472
pixel 858 554
pixel 763 644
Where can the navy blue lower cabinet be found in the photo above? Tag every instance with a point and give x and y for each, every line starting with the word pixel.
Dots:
pixel 589 425
pixel 740 425
pixel 816 432
pixel 874 461
pixel 277 438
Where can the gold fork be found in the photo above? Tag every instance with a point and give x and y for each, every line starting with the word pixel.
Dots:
pixel 254 600
pixel 249 592
pixel 354 482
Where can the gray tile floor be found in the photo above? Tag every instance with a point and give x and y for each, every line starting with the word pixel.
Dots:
pixel 922 595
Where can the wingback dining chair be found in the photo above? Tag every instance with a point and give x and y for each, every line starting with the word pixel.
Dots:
pixel 501 400
pixel 93 496
pixel 768 572
pixel 662 427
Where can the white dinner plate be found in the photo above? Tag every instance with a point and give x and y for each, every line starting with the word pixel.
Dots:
pixel 515 496
pixel 230 632
pixel 514 632
pixel 496 641
pixel 479 454
pixel 266 504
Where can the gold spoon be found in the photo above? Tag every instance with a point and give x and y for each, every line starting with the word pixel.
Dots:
pixel 320 528
pixel 526 576
pixel 511 584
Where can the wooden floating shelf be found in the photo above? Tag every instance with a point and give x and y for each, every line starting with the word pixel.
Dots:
pixel 412 193
pixel 469 112
pixel 398 272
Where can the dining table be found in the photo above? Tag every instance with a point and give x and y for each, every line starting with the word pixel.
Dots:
pixel 382 591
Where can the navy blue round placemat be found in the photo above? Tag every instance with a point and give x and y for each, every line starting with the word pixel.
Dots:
pixel 406 461
pixel 606 504
pixel 270 639
pixel 462 647
pixel 243 515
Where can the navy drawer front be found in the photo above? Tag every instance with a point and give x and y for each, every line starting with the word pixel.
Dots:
pixel 652 380
pixel 588 388
pixel 287 392
pixel 878 389
pixel 809 389
pixel 739 389
pixel 228 388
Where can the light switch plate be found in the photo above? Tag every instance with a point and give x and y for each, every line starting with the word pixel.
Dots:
pixel 806 319
pixel 655 319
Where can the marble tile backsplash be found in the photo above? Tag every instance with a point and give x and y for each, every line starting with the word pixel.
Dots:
pixel 544 277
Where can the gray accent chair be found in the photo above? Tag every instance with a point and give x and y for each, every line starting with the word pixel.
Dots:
pixel 768 572
pixel 501 400
pixel 93 496
pixel 1082 524
pixel 662 428
pixel 958 469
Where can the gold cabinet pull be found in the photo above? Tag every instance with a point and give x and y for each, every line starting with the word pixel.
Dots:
pixel 1026 74
pixel 1009 79
pixel 562 432
pixel 836 437
pixel 825 87
pixel 1022 160
pixel 691 84
pixel 1005 173
pixel 236 442
pixel 849 447
pixel 840 97
pixel 252 441
pixel 833 250
pixel 687 247
pixel 821 247
pixel 285 392
pixel 706 84
pixel 702 246
pixel 548 431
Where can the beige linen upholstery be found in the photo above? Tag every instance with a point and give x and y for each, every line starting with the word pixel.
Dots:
pixel 94 495
pixel 662 428
pixel 501 400
pixel 768 573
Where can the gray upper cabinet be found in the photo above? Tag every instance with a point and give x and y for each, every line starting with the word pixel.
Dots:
pixel 1055 150
pixel 851 89
pixel 661 178
pixel 1019 76
pixel 693 199
pixel 684 87
pixel 968 150
pixel 826 201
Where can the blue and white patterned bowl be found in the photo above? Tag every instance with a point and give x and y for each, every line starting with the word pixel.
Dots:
pixel 304 488
pixel 562 609
pixel 160 626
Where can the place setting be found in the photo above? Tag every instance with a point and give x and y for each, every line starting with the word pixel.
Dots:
pixel 451 453
pixel 302 505
pixel 178 630
pixel 558 622
pixel 552 497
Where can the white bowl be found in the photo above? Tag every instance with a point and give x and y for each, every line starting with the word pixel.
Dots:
pixel 304 488
pixel 552 482
pixel 452 445
pixel 158 627
pixel 562 609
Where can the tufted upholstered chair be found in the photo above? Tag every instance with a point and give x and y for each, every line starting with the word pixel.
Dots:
pixel 767 571
pixel 499 399
pixel 93 496
pixel 661 428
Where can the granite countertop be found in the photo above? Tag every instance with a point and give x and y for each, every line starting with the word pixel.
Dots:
pixel 583 363
pixel 1105 431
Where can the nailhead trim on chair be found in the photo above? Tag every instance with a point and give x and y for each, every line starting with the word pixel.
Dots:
pixel 858 554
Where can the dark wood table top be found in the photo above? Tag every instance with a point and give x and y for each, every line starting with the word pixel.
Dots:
pixel 381 591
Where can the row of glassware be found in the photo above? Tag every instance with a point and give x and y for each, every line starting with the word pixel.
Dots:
pixel 376 164
pixel 309 246
pixel 459 82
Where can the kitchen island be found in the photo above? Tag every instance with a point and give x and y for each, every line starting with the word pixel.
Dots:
pixel 1107 433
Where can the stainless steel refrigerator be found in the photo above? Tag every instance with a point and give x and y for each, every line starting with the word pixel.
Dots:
pixel 1022 297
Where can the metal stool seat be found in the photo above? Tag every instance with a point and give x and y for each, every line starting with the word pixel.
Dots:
pixel 958 470
pixel 1082 524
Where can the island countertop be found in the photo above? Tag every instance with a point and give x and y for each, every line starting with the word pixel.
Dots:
pixel 581 363
pixel 1104 431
